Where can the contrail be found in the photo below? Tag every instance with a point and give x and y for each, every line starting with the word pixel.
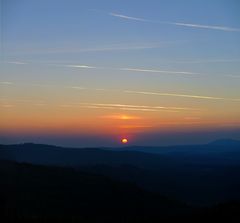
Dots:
pixel 181 95
pixel 135 92
pixel 144 70
pixel 129 17
pixel 222 28
pixel 156 71
pixel 135 107
pixel 6 83
pixel 16 62
pixel 80 66
pixel 191 25
pixel 133 69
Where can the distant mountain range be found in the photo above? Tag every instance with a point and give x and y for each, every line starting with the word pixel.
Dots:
pixel 140 184
pixel 215 146
pixel 219 151
pixel 196 174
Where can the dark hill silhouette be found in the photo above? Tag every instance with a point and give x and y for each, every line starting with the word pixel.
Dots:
pixel 33 193
pixel 30 192
pixel 53 155
pixel 226 142
pixel 217 146
pixel 224 151
pixel 197 174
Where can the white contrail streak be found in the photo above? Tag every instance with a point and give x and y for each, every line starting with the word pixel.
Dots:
pixel 129 17
pixel 156 71
pixel 144 70
pixel 133 69
pixel 6 83
pixel 181 95
pixel 81 66
pixel 16 62
pixel 135 92
pixel 136 107
pixel 191 25
pixel 222 28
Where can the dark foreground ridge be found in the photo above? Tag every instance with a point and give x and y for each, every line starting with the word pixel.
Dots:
pixel 196 183
pixel 32 193
pixel 35 192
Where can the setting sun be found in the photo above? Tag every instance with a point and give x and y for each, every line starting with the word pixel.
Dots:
pixel 124 141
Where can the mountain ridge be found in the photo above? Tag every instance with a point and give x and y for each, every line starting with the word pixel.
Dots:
pixel 221 141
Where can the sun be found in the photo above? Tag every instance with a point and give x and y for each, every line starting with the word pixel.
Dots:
pixel 124 141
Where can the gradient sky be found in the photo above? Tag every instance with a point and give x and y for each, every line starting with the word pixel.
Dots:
pixel 88 73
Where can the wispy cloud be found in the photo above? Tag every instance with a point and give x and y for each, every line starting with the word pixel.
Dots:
pixel 221 28
pixel 129 17
pixel 145 70
pixel 134 69
pixel 182 95
pixel 7 106
pixel 120 47
pixel 42 85
pixel 15 62
pixel 191 118
pixel 133 107
pixel 40 104
pixel 103 48
pixel 6 83
pixel 233 75
pixel 137 107
pixel 114 108
pixel 76 87
pixel 142 69
pixel 156 71
pixel 120 117
pixel 79 66
pixel 191 25
pixel 206 61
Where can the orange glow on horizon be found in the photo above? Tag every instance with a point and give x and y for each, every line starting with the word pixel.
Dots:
pixel 24 117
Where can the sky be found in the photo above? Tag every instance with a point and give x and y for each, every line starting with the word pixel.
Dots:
pixel 90 72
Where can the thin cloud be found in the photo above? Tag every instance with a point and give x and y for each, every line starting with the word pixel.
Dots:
pixel 121 47
pixel 182 95
pixel 156 71
pixel 191 25
pixel 114 108
pixel 121 117
pixel 43 85
pixel 129 17
pixel 136 107
pixel 144 70
pixel 7 106
pixel 6 83
pixel 206 61
pixel 233 76
pixel 133 69
pixel 16 62
pixel 80 66
pixel 40 104
pixel 159 71
pixel 192 118
pixel 76 87
pixel 132 107
pixel 222 28
pixel 104 48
